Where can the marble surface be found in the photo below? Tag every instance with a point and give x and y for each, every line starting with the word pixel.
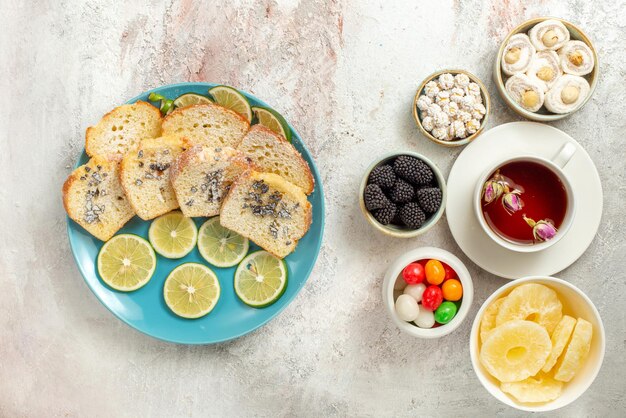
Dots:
pixel 344 74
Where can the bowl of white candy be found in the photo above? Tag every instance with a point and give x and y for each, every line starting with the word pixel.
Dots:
pixel 451 107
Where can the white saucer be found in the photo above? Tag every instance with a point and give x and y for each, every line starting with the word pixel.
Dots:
pixel 506 141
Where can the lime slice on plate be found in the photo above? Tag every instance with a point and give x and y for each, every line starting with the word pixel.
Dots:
pixel 173 235
pixel 273 120
pixel 232 99
pixel 126 262
pixel 191 290
pixel 260 279
pixel 221 246
pixel 189 99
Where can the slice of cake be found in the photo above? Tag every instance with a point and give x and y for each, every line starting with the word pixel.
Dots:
pixel 202 176
pixel 145 176
pixel 209 125
pixel 271 153
pixel 268 210
pixel 121 129
pixel 93 197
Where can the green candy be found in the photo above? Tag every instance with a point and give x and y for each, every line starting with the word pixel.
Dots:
pixel 445 312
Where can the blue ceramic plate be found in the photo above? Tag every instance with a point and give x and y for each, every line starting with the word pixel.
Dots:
pixel 145 309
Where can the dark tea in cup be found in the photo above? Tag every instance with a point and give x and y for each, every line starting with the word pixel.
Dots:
pixel 524 202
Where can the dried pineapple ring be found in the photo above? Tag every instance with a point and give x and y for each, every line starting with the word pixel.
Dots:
pixel 540 388
pixel 548 35
pixel 560 338
pixel 518 54
pixel 488 321
pixel 576 58
pixel 515 350
pixel 576 353
pixel 533 302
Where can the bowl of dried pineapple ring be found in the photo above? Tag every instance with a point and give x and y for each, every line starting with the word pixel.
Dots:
pixel 537 343
pixel 546 69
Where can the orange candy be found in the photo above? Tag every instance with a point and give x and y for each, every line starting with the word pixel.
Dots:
pixel 435 273
pixel 452 290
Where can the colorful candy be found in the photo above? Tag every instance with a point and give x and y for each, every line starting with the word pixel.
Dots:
pixel 435 272
pixel 429 294
pixel 407 308
pixel 413 273
pixel 445 312
pixel 450 274
pixel 415 290
pixel 432 297
pixel 452 290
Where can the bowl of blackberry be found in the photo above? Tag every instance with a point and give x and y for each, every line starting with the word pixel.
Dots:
pixel 403 194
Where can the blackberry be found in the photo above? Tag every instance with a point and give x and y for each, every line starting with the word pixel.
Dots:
pixel 383 176
pixel 412 170
pixel 396 219
pixel 386 214
pixel 412 215
pixel 429 199
pixel 401 192
pixel 374 197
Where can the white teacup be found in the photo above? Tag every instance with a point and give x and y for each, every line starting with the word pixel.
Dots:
pixel 555 165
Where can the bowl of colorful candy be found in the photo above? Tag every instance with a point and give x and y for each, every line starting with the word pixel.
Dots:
pixel 428 292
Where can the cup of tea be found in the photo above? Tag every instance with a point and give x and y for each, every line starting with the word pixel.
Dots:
pixel 526 203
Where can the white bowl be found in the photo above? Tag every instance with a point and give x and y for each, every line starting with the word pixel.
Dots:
pixel 394 273
pixel 576 304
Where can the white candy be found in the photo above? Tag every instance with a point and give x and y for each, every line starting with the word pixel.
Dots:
pixel 451 109
pixel 461 80
pixel 433 109
pixel 441 119
pixel 431 89
pixel 473 89
pixel 456 94
pixel 407 308
pixel 446 81
pixel 425 318
pixel 400 284
pixel 440 133
pixel 467 103
pixel 428 123
pixel 464 116
pixel 443 98
pixel 415 291
pixel 423 102
pixel 458 128
pixel 471 126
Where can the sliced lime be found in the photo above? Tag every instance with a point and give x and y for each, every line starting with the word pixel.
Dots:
pixel 271 119
pixel 230 98
pixel 189 99
pixel 221 246
pixel 260 279
pixel 126 262
pixel 173 235
pixel 191 290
